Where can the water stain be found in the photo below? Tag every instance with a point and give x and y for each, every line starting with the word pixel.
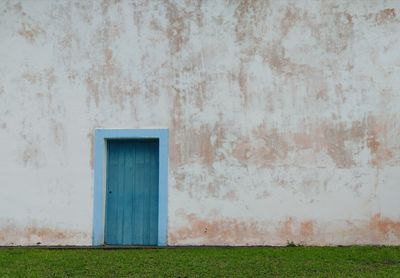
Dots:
pixel 272 146
pixel 51 78
pixel 285 230
pixel 32 156
pixel 341 35
pixel 18 7
pixel 31 77
pixel 11 234
pixel 58 132
pixel 106 80
pixel 242 149
pixel 373 144
pixel 250 16
pixel 336 138
pixel 90 137
pixel 242 79
pixel 264 147
pixel 378 142
pixel 343 140
pixel 217 231
pixel 107 4
pixel 45 77
pixel 306 229
pixel 292 230
pixel 93 88
pixel 177 30
pixel 385 16
pixel 231 196
pixel 200 145
pixel 382 228
pixel 30 32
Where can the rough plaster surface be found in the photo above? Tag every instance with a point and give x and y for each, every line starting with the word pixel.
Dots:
pixel 284 116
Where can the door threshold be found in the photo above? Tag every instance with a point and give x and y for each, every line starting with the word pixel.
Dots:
pixel 107 246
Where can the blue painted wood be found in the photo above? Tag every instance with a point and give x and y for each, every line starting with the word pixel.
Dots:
pixel 132 192
pixel 102 135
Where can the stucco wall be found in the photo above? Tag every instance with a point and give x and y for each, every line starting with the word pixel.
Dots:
pixel 284 116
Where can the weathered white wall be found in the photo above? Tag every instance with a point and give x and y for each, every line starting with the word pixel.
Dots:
pixel 284 116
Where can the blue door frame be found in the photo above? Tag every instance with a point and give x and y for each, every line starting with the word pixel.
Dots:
pixel 101 137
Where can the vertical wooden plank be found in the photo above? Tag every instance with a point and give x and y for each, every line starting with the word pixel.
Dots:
pixel 112 193
pixel 135 196
pixel 149 191
pixel 139 175
pixel 153 186
pixel 156 191
pixel 127 196
pixel 146 195
pixel 135 232
pixel 132 194
pixel 133 200
pixel 108 208
pixel 120 207
pixel 143 199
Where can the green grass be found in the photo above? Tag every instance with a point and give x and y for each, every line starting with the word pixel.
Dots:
pixel 202 262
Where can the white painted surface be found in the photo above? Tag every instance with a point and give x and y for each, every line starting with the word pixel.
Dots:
pixel 283 116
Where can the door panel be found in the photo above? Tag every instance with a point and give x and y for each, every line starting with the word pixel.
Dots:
pixel 132 192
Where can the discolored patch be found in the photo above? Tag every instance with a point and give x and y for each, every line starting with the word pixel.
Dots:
pixel 385 16
pixel 178 30
pixel 58 132
pixel 30 32
pixel 339 37
pixel 93 87
pixel 336 137
pixel 217 231
pixel 303 140
pixel 200 144
pixel 272 146
pixel 373 144
pixel 31 77
pixel 289 19
pixel 51 78
pixel 32 156
pixel 11 234
pixel 231 196
pixel 18 7
pixel 90 137
pixel 250 17
pixel 242 149
pixel 45 77
pixel 382 228
pixel 306 229
pixel 292 230
pixel 107 4
pixel 242 79
pixel 285 231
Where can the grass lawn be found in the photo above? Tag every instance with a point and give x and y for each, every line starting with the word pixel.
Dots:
pixel 202 262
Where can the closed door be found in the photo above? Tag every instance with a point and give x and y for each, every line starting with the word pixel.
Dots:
pixel 132 192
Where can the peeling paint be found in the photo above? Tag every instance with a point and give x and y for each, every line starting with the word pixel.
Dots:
pixel 385 16
pixel 11 234
pixel 283 116
pixel 383 227
pixel 216 232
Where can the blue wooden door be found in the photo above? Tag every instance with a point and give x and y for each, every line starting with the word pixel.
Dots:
pixel 132 192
